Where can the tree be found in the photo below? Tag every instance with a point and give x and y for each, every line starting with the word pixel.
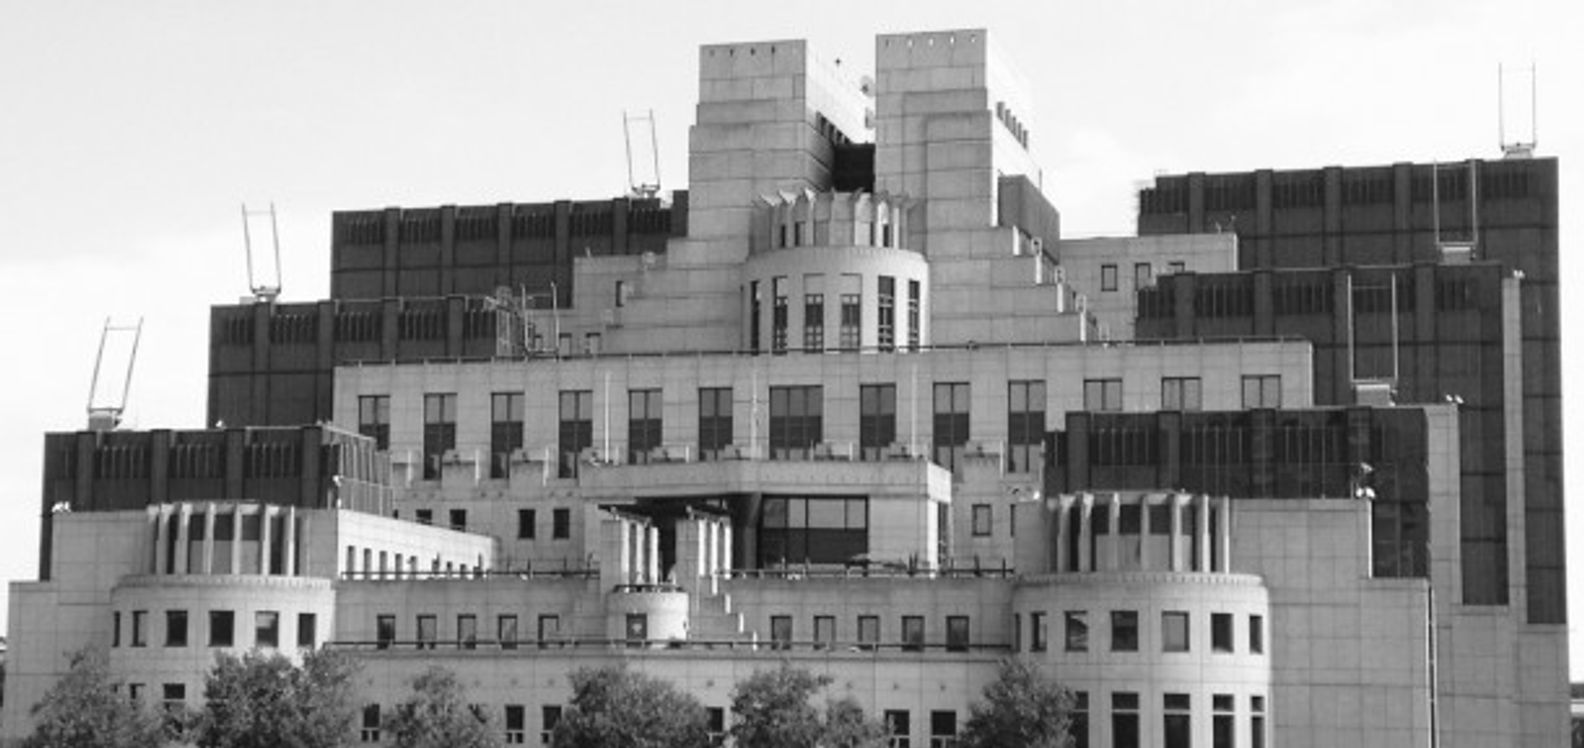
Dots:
pixel 437 715
pixel 260 700
pixel 85 710
pixel 846 726
pixel 773 710
pixel 1022 706
pixel 614 707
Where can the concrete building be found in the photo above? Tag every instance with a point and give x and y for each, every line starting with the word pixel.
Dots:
pixel 851 400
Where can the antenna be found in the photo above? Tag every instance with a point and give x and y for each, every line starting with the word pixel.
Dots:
pixel 1517 147
pixel 106 415
pixel 264 292
pixel 635 186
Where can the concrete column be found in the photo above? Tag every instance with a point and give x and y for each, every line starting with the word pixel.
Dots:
pixel 1085 532
pixel 162 541
pixel 615 552
pixel 152 536
pixel 264 540
pixel 725 547
pixel 1175 543
pixel 1063 522
pixel 209 539
pixel 1114 508
pixel 710 537
pixel 1145 501
pixel 1224 532
pixel 289 547
pixel 1201 533
pixel 236 539
pixel 652 554
pixel 183 537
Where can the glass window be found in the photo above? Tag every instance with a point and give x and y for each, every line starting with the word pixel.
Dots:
pixel 951 423
pixel 1141 275
pixel 813 322
pixel 754 304
pixel 1182 393
pixel 1261 391
pixel 576 430
pixel 439 434
pixel 175 628
pixel 115 629
pixel 307 630
pixel 526 522
pixel 266 628
pixel 467 631
pixel 643 424
pixel 868 631
pixel 139 628
pixel 516 720
pixel 886 321
pixel 370 731
pixel 824 631
pixel 549 717
pixel 1077 630
pixel 1025 425
pixel 851 321
pixel 1223 728
pixel 1108 277
pixel 899 728
pixel 1256 634
pixel 1221 632
pixel 912 633
pixel 796 421
pixel 1102 394
pixel 1174 631
pixel 957 633
pixel 428 631
pixel 374 419
pixel 506 631
pixel 1078 728
pixel 1124 631
pixel 458 522
pixel 384 630
pixel 506 431
pixel 1176 721
pixel 981 520
pixel 549 629
pixel 560 524
pixel 778 313
pixel 1125 719
pixel 943 729
pixel 1257 721
pixel 876 419
pixel 1037 632
pixel 715 421
pixel 913 315
pixel 780 632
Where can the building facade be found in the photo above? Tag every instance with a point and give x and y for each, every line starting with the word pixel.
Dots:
pixel 851 400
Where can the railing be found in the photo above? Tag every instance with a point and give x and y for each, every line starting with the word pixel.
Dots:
pixel 878 569
pixel 527 574
pixel 495 646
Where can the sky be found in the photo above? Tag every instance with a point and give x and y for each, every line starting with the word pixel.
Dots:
pixel 132 132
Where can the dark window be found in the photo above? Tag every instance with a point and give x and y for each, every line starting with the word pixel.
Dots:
pixel 139 628
pixel 824 631
pixel 1077 630
pixel 458 520
pixel 753 308
pixel 796 421
pixel 424 516
pixel 506 431
pixel 778 314
pixel 1177 721
pixel 1141 275
pixel 643 424
pixel 912 633
pixel 1108 277
pixel 370 732
pixel 115 629
pixel 1124 631
pixel 1176 266
pixel 307 630
pixel 1174 631
pixel 549 629
pixel 813 322
pixel 957 633
pixel 1257 634
pixel 222 624
pixel 439 435
pixel 715 421
pixel 1078 728
pixel 1181 393
pixel 913 315
pixel 1102 394
pixel 781 632
pixel 1221 632
pixel 1125 719
pixel 526 520
pixel 951 423
pixel 1025 425
pixel 899 728
pixel 374 418
pixel 174 696
pixel 384 631
pixel 266 628
pixel 1037 636
pixel 576 431
pixel 428 631
pixel 1257 721
pixel 560 524
pixel 1399 534
pixel 868 631
pixel 715 724
pixel 549 717
pixel 467 631
pixel 1261 391
pixel 943 729
pixel 1222 726
pixel 175 628
pixel 876 419
pixel 886 321
pixel 982 520
pixel 516 720
pixel 506 631
pixel 851 321
pixel 818 530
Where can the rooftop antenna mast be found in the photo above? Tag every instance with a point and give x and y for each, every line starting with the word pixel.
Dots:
pixel 636 186
pixel 262 291
pixel 106 415
pixel 1517 147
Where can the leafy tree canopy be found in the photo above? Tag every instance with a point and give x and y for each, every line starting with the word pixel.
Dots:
pixel 85 710
pixel 846 726
pixel 772 710
pixel 615 707
pixel 1023 707
pixel 437 715
pixel 260 700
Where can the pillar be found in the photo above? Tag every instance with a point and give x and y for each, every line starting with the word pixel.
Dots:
pixel 162 540
pixel 1063 523
pixel 652 554
pixel 1145 501
pixel 725 564
pixel 1202 533
pixel 209 539
pixel 183 537
pixel 1085 532
pixel 1114 511
pixel 1175 543
pixel 236 538
pixel 1224 532
pixel 264 540
pixel 289 546
pixel 615 552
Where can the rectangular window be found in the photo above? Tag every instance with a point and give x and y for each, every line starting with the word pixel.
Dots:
pixel 1261 391
pixel 549 717
pixel 1177 722
pixel 1124 631
pixel 506 431
pixel 506 631
pixel 175 628
pixel 824 631
pixel 1125 719
pixel 643 425
pixel 527 519
pixel 913 633
pixel 637 628
pixel 115 629
pixel 754 307
pixel 899 728
pixel 467 631
pixel 549 629
pixel 1182 393
pixel 957 633
pixel 1025 425
pixel 266 628
pixel 384 631
pixel 943 729
pixel 778 314
pixel 951 423
pixel 868 631
pixel 139 628
pixel 812 530
pixel 715 725
pixel 982 520
pixel 1257 634
pixel 307 630
pixel 1102 394
pixel 1221 632
pixel 876 419
pixel 458 519
pixel 780 632
pixel 1108 277
pixel 591 343
pixel 374 419
pixel 428 631
pixel 886 319
pixel 913 315
pixel 621 293
pixel 1223 730
pixel 135 692
pixel 1176 266
pixel 370 732
pixel 576 432
pixel 1037 637
pixel 813 322
pixel 1078 728
pixel 851 321
pixel 1257 721
pixel 439 434
pixel 1076 625
pixel 1174 631
pixel 516 721
pixel 423 517
pixel 1141 275
pixel 714 421
pixel 560 524
pixel 796 421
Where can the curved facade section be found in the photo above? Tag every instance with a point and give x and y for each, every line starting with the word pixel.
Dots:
pixel 825 298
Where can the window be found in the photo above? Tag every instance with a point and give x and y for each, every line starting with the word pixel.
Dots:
pixel 1177 721
pixel 374 419
pixel 423 516
pixel 886 319
pixel 1076 625
pixel 714 421
pixel 1257 634
pixel 778 314
pixel 1181 393
pixel 1102 394
pixel 899 727
pixel 1078 727
pixel 1221 632
pixel 576 430
pixel 115 629
pixel 506 431
pixel 266 628
pixel 307 630
pixel 1125 719
pixel 467 631
pixel 913 315
pixel 591 343
pixel 1174 631
pixel 1108 277
pixel 458 519
pixel 1141 275
pixel 516 720
pixel 643 424
pixel 1261 391
pixel 384 631
pixel 868 631
pixel 135 692
pixel 1124 631
pixel 1222 726
pixel 824 631
pixel 1176 266
pixel 951 423
pixel 1257 721
pixel 1025 425
pixel 428 631
pixel 913 633
pixel 817 530
pixel 526 521
pixel 876 419
pixel 851 321
pixel 796 421
pixel 439 433
pixel 715 725
pixel 797 234
pixel 943 729
pixel 549 717
pixel 175 697
pixel 560 524
pixel 1037 636
pixel 139 628
pixel 781 632
pixel 637 628
pixel 175 628
pixel 506 631
pixel 371 724
pixel 753 307
pixel 957 633
pixel 982 520
pixel 549 629
pixel 813 322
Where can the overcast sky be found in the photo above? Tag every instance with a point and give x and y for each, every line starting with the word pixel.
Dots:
pixel 131 131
